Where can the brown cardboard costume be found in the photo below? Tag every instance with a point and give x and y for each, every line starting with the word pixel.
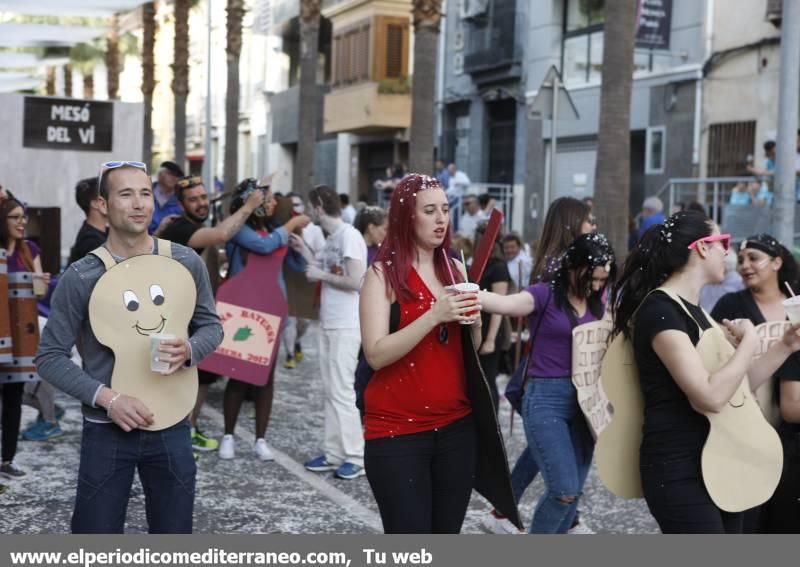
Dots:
pixel 135 298
pixel 742 458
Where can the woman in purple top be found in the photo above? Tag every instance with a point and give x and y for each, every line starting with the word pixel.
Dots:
pixel 371 222
pixel 556 431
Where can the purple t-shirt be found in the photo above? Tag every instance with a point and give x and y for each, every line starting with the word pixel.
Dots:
pixel 552 347
pixel 15 260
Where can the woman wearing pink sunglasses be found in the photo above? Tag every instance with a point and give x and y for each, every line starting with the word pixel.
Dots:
pixel 657 309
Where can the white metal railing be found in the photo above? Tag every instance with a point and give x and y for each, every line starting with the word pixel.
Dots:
pixel 510 199
pixel 714 194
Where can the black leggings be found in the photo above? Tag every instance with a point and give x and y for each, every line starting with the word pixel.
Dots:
pixel 235 393
pixel 423 481
pixel 781 514
pixel 12 415
pixel 679 501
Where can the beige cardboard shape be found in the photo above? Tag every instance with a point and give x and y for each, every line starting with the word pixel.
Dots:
pixel 589 344
pixel 617 448
pixel 769 333
pixel 742 457
pixel 165 295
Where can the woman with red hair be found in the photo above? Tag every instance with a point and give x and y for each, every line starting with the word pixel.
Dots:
pixel 421 435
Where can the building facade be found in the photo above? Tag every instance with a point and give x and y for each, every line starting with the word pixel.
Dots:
pixel 699 71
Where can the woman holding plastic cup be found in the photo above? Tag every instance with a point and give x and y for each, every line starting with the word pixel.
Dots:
pixel 769 271
pixel 557 434
pixel 418 425
pixel 656 308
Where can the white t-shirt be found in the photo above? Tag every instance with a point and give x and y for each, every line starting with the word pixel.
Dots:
pixel 314 239
pixel 349 214
pixel 339 308
pixel 469 224
pixel 459 183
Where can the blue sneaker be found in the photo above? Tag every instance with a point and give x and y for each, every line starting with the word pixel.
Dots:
pixel 320 464
pixel 60 411
pixel 349 471
pixel 43 431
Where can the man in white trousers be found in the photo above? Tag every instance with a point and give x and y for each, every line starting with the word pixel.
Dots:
pixel 341 270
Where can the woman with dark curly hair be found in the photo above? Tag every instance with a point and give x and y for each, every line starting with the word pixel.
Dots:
pixel 766 266
pixel 558 436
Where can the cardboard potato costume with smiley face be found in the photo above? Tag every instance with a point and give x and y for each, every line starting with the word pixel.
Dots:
pixel 135 298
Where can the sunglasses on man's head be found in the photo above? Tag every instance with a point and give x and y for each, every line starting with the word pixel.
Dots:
pixel 189 182
pixel 724 239
pixel 109 165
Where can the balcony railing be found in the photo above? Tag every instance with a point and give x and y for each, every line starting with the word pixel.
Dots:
pixel 491 43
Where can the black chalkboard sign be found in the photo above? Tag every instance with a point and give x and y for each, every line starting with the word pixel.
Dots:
pixel 654 23
pixel 68 124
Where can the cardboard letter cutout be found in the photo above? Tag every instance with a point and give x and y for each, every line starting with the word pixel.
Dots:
pixel 589 344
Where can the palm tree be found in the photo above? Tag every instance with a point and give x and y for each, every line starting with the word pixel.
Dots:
pixel 233 50
pixel 307 121
pixel 612 175
pixel 68 80
pixel 50 81
pixel 148 76
pixel 180 77
pixel 427 15
pixel 113 59
pixel 84 58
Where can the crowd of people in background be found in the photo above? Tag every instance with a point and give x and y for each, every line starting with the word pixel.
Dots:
pixel 387 261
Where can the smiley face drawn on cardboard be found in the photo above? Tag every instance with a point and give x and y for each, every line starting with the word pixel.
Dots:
pixel 138 297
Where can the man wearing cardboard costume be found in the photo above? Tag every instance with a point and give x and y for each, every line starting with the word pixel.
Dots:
pixel 110 302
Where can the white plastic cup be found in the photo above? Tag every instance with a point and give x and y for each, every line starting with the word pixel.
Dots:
pixel 467 287
pixel 792 307
pixel 157 365
pixel 39 287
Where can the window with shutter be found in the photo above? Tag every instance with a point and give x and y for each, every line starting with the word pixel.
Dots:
pixel 728 147
pixel 394 51
pixel 351 54
pixel 391 45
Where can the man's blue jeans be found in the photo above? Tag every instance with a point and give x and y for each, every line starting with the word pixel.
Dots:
pixel 562 446
pixel 109 457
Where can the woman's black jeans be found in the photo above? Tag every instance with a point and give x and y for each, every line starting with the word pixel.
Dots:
pixel 679 501
pixel 423 481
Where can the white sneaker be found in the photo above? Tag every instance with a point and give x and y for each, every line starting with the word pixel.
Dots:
pixel 226 447
pixel 580 529
pixel 495 525
pixel 263 451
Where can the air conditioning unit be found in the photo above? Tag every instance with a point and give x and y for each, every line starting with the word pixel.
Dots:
pixel 473 9
pixel 775 12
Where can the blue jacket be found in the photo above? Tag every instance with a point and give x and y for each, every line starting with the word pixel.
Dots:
pixel 652 220
pixel 250 240
pixel 171 207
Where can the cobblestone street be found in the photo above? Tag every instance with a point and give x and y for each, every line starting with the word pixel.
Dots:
pixel 245 495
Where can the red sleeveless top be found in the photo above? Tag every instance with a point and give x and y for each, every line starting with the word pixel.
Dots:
pixel 424 390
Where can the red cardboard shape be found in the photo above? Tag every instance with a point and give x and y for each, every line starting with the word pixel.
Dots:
pixel 253 310
pixel 481 256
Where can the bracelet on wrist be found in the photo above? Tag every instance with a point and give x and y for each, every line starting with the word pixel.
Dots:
pixel 111 404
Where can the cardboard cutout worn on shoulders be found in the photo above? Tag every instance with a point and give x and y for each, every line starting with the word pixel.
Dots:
pixel 742 457
pixel 133 299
